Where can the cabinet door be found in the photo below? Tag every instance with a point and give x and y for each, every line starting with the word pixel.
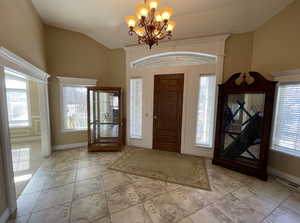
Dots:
pixel 105 117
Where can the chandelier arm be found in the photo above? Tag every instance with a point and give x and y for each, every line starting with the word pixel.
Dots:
pixel 160 30
pixel 168 34
pixel 146 31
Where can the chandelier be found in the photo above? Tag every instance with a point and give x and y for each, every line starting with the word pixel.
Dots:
pixel 151 25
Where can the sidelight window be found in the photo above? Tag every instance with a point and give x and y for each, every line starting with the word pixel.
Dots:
pixel 136 95
pixel 205 111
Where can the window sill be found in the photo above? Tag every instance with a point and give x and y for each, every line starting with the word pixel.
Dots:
pixel 203 146
pixel 73 130
pixel 135 138
pixel 286 151
pixel 20 127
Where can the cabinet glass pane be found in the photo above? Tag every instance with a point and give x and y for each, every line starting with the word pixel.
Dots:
pixel 109 107
pixel 109 131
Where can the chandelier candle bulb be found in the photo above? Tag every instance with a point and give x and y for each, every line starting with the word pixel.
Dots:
pixel 142 10
pixel 131 21
pixel 171 26
pixel 153 4
pixel 166 14
pixel 158 17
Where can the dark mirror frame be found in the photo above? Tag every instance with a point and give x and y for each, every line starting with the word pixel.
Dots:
pixel 258 84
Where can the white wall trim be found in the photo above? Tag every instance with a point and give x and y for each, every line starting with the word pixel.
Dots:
pixel 26 139
pixel 69 146
pixel 71 82
pixel 178 45
pixel 175 53
pixel 12 61
pixel 6 147
pixel 77 81
pixel 284 175
pixel 287 76
pixel 5 216
pixel 287 72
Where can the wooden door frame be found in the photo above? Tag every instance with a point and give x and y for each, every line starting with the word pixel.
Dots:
pixel 179 75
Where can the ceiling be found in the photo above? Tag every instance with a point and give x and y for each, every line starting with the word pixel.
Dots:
pixel 104 20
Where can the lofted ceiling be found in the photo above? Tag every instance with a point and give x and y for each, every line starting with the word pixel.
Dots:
pixel 104 20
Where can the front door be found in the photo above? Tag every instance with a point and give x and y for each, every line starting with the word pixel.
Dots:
pixel 167 114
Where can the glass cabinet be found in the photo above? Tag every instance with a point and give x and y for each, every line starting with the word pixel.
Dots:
pixel 104 119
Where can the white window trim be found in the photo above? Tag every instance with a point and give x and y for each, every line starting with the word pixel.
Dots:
pixel 28 101
pixel 12 61
pixel 214 115
pixel 284 77
pixel 130 136
pixel 72 82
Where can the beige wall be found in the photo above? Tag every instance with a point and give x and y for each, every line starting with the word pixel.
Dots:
pixel 238 54
pixel 71 54
pixel 117 72
pixel 33 130
pixel 21 33
pixel 117 68
pixel 276 47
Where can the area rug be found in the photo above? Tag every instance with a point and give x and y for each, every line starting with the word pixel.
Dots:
pixel 165 166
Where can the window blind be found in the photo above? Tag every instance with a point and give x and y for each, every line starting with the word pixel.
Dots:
pixel 136 95
pixel 286 136
pixel 205 111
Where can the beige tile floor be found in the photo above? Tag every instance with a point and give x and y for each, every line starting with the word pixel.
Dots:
pixel 27 158
pixel 75 186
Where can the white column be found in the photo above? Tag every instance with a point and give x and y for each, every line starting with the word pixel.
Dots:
pixel 6 146
pixel 45 119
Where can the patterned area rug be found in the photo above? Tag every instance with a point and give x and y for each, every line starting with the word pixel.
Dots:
pixel 166 166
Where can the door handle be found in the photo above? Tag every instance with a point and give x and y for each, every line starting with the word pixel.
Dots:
pixel 154 117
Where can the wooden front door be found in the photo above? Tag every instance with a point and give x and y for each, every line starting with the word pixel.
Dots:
pixel 167 114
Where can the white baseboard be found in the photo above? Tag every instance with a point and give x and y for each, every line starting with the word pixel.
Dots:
pixel 284 175
pixel 26 139
pixel 5 216
pixel 69 146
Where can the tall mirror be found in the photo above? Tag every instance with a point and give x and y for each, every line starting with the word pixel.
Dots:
pixel 104 119
pixel 244 121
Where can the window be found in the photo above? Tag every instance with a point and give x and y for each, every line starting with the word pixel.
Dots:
pixel 74 102
pixel 286 135
pixel 74 108
pixel 136 88
pixel 205 111
pixel 17 99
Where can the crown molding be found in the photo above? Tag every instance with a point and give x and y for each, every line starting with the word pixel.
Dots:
pixel 10 60
pixel 182 42
pixel 286 73
pixel 287 76
pixel 77 81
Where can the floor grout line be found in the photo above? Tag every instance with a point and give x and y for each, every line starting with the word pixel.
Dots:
pixel 167 190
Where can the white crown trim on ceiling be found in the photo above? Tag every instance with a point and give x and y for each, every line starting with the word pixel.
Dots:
pixel 15 62
pixel 77 81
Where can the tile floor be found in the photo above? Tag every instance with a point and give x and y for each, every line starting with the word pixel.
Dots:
pixel 27 158
pixel 75 186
